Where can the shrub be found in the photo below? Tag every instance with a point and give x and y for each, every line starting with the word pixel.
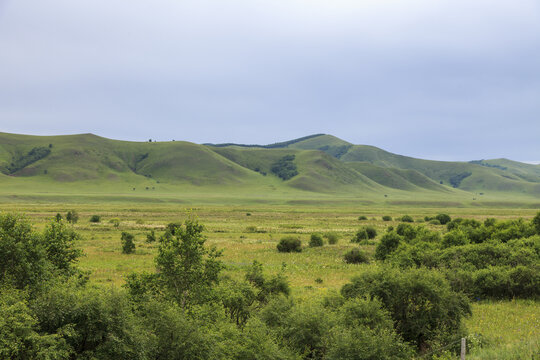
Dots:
pixel 362 217
pixel 72 217
pixel 455 238
pixel 421 303
pixel 355 256
pixel 407 218
pixel 151 236
pixel 95 219
pixel 407 231
pixel 387 218
pixel 435 222
pixel 443 218
pixel 115 222
pixel 332 238
pixel 365 233
pixel 289 244
pixel 128 246
pixel 388 244
pixel 315 240
pixel 536 223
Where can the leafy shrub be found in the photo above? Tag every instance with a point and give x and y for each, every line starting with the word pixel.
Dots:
pixel 72 216
pixel 115 222
pixel 443 218
pixel 151 236
pixel 95 219
pixel 388 244
pixel 387 218
pixel 128 246
pixel 315 240
pixel 355 256
pixel 365 233
pixel 289 244
pixel 536 223
pixel 407 218
pixel 455 238
pixel 362 217
pixel 435 222
pixel 407 231
pixel 421 303
pixel 332 238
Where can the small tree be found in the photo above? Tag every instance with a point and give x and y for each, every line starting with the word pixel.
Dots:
pixel 387 218
pixel 407 218
pixel 536 223
pixel 186 268
pixel 443 218
pixel 128 246
pixel 151 236
pixel 58 217
pixel 315 240
pixel 332 238
pixel 72 216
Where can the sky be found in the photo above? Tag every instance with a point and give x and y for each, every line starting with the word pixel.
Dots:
pixel 436 79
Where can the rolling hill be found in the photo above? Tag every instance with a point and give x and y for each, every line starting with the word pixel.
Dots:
pixel 313 165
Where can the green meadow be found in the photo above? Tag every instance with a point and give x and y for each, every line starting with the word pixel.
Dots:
pixel 249 229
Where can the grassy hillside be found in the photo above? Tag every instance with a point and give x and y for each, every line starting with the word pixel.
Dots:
pixel 321 164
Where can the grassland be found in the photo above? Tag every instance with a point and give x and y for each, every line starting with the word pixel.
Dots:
pixel 249 231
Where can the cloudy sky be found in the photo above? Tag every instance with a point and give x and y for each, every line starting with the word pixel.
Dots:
pixel 438 79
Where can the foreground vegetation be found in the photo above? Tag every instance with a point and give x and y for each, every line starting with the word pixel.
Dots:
pixel 179 298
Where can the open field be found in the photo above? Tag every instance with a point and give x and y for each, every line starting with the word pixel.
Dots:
pixel 249 231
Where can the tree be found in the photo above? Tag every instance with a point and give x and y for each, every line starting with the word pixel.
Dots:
pixel 72 216
pixel 59 241
pixel 128 246
pixel 23 259
pixel 536 223
pixel 186 268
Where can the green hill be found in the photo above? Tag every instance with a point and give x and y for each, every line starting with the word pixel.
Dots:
pixel 317 164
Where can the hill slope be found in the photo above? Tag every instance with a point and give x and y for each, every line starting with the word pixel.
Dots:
pixel 317 164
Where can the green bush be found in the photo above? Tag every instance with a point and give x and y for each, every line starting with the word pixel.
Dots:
pixel 151 236
pixel 95 219
pixel 289 244
pixel 72 216
pixel 332 238
pixel 362 217
pixel 387 218
pixel 315 240
pixel 421 303
pixel 435 222
pixel 407 218
pixel 455 238
pixel 355 256
pixel 443 218
pixel 285 168
pixel 388 244
pixel 365 233
pixel 536 223
pixel 128 246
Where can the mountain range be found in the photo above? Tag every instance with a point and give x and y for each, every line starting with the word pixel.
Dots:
pixel 316 164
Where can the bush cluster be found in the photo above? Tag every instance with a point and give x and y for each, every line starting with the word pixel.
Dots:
pixel 289 244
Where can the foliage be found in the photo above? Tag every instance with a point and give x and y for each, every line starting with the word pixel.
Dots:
pixel 389 243
pixel 289 244
pixel 316 240
pixel 128 246
pixel 365 233
pixel 95 218
pixel 59 242
pixel 36 154
pixel 536 223
pixel 115 222
pixel 407 218
pixel 355 256
pixel 285 168
pixel 331 237
pixel 386 218
pixel 421 303
pixel 362 217
pixel 23 257
pixel 443 218
pixel 72 216
pixel 186 268
pixel 456 179
pixel 151 236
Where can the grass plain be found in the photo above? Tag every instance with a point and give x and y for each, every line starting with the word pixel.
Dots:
pixel 247 229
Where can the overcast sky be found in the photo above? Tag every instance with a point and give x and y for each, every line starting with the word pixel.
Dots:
pixel 437 79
